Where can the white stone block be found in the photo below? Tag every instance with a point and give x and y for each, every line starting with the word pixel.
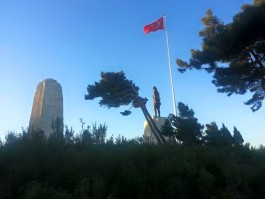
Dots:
pixel 159 121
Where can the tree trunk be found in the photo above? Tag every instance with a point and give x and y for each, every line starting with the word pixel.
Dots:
pixel 152 125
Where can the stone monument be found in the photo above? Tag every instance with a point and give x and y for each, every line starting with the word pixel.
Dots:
pixel 47 106
pixel 159 121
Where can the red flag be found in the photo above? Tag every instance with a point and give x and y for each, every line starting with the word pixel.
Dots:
pixel 157 25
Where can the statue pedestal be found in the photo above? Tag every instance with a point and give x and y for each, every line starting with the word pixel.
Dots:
pixel 159 121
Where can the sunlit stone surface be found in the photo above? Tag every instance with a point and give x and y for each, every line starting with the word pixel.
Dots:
pixel 159 121
pixel 47 106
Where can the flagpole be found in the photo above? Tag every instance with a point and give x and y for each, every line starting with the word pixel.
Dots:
pixel 170 72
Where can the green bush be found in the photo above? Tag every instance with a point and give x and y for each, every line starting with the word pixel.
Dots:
pixel 33 167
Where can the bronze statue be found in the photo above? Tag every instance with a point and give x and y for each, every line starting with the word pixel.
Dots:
pixel 157 103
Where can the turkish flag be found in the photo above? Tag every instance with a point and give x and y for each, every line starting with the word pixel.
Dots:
pixel 157 25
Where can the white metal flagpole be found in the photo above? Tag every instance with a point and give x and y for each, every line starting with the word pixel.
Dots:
pixel 170 72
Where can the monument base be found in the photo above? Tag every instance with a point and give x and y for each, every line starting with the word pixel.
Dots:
pixel 159 121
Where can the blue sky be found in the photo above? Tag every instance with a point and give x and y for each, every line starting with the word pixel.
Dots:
pixel 73 41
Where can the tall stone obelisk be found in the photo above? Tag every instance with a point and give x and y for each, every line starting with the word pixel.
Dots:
pixel 47 106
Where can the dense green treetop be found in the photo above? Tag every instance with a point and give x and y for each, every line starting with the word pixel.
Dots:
pixel 234 52
pixel 114 89
pixel 184 127
pixel 189 130
pixel 237 137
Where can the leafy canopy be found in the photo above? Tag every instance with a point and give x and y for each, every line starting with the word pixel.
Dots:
pixel 114 89
pixel 189 130
pixel 234 52
pixel 184 127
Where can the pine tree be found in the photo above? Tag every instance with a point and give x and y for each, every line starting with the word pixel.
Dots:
pixel 226 136
pixel 212 134
pixel 168 131
pixel 217 137
pixel 188 129
pixel 234 52
pixel 237 137
pixel 116 90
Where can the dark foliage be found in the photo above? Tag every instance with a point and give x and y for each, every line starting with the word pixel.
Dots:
pixel 36 168
pixel 188 131
pixel 234 52
pixel 185 127
pixel 114 89
pixel 237 137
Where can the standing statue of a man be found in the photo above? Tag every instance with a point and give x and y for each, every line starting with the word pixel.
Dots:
pixel 157 102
